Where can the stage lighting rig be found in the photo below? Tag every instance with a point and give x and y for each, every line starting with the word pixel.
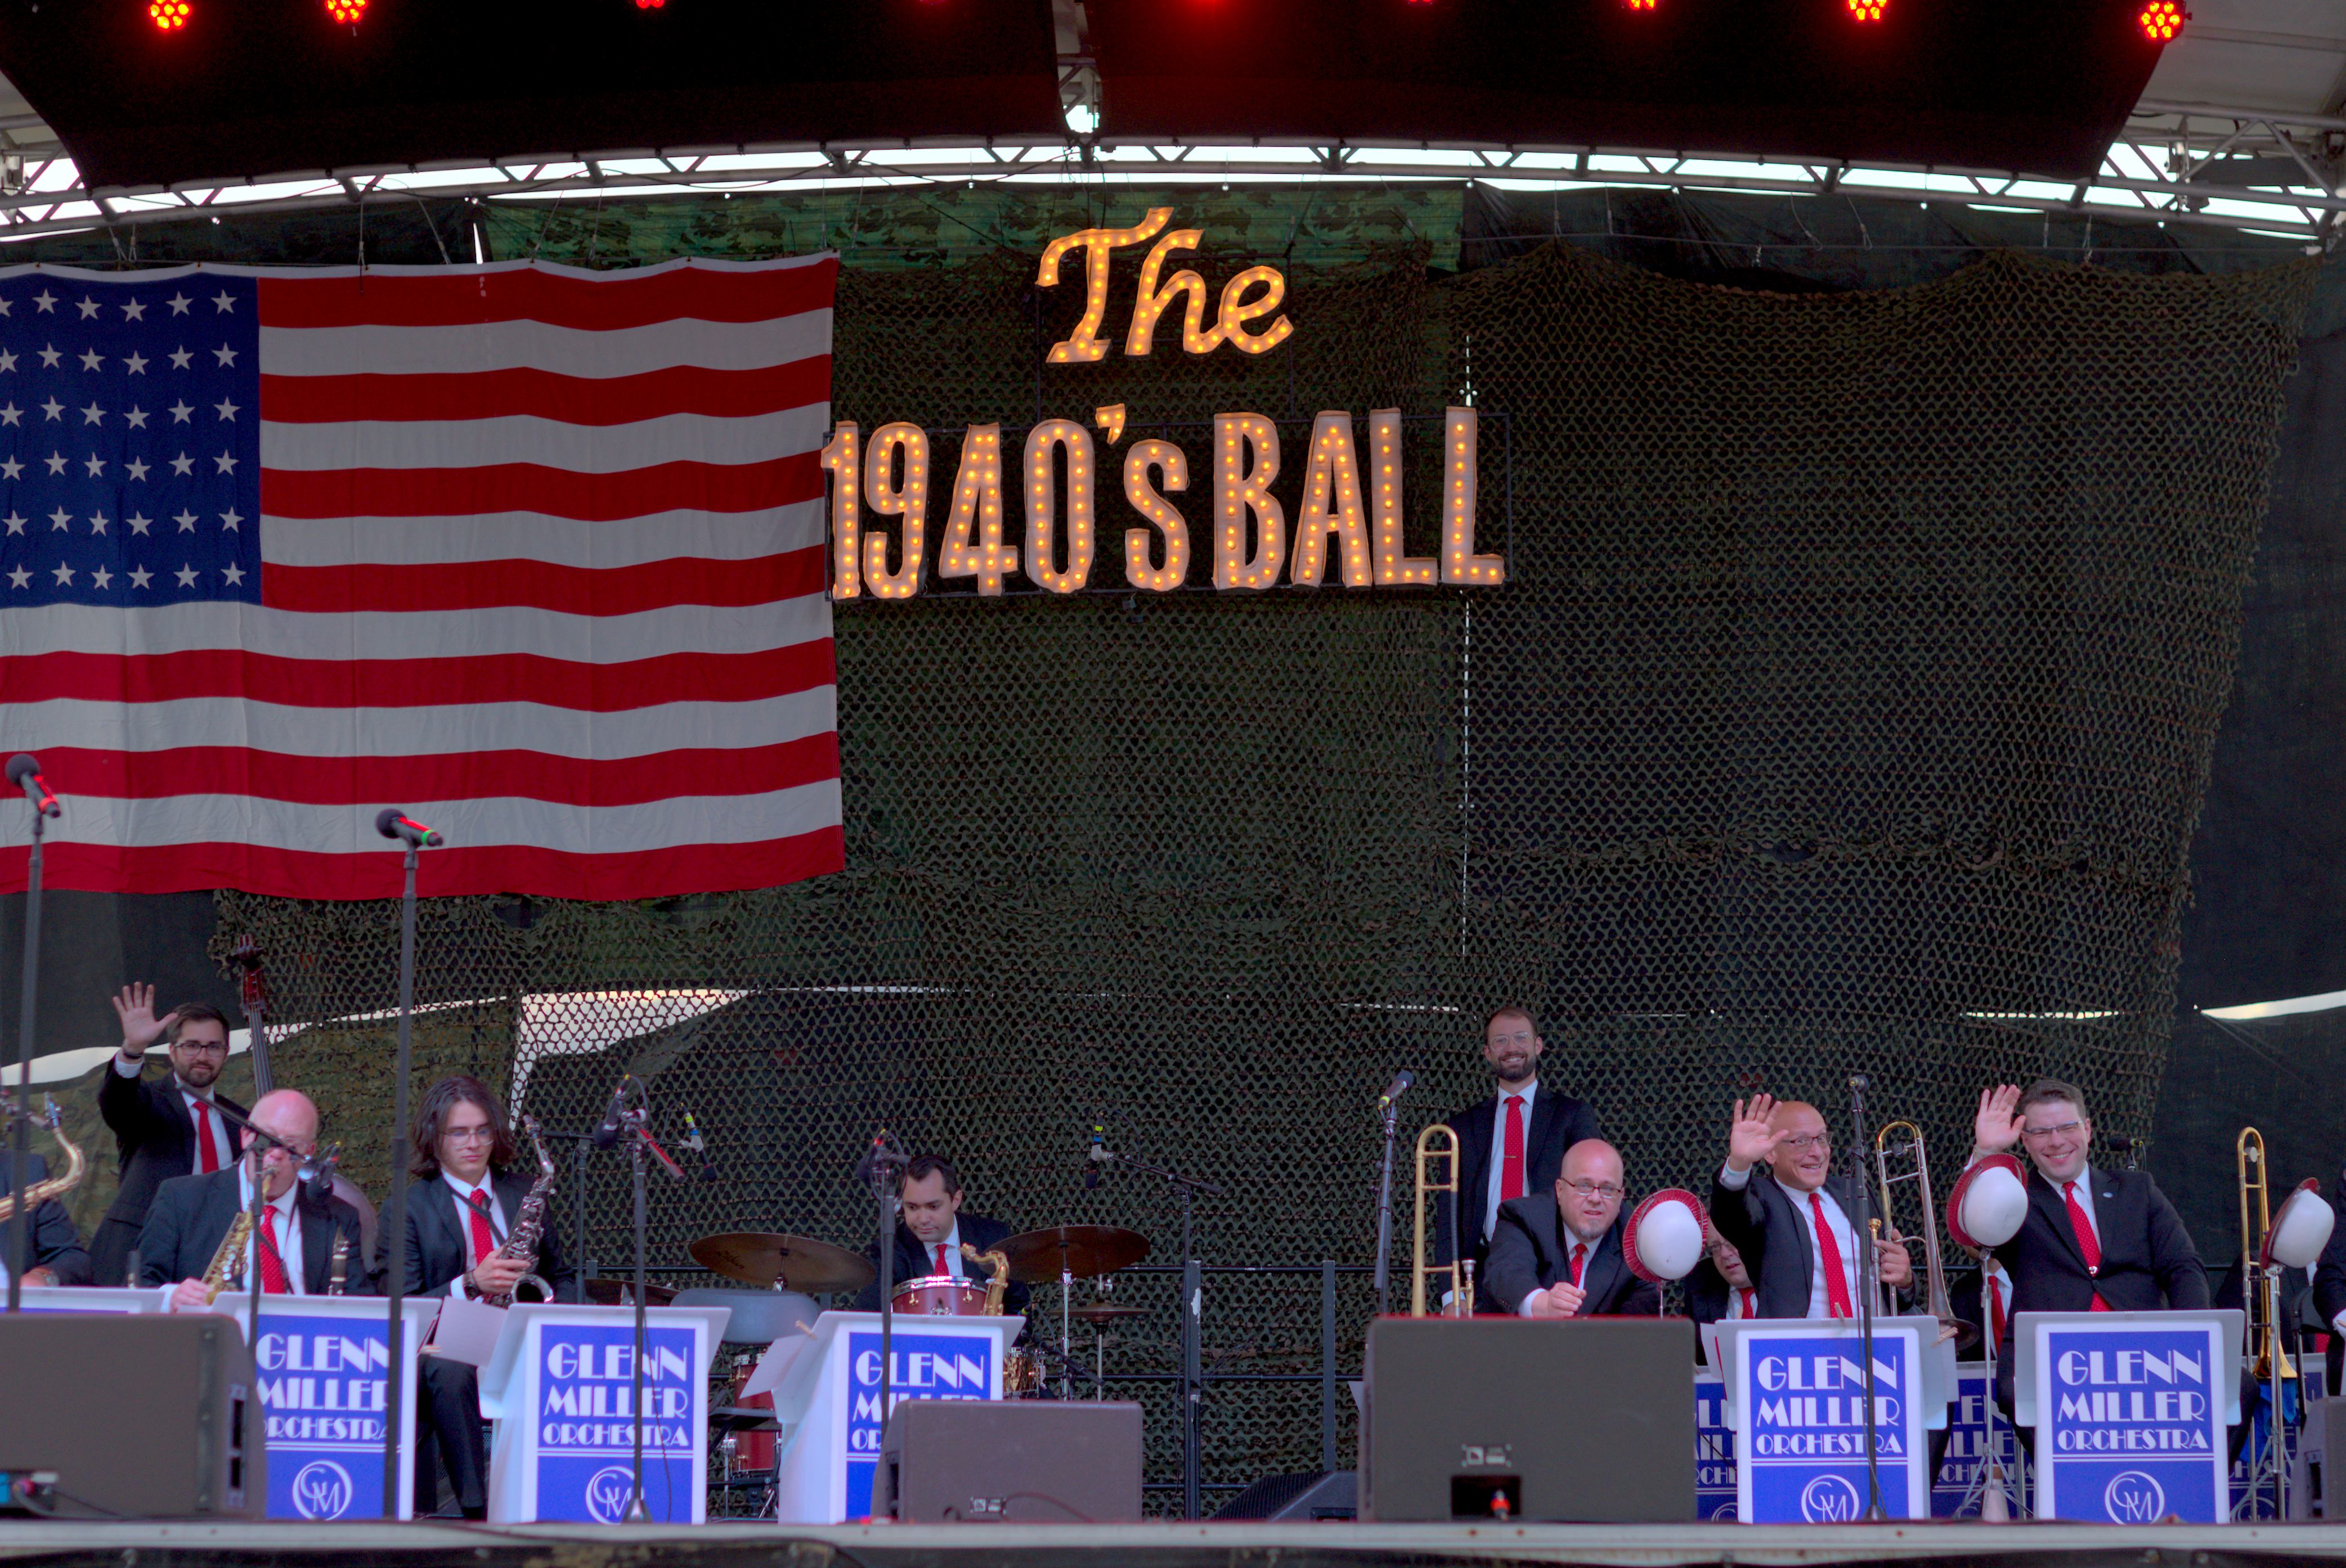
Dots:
pixel 346 12
pixel 2162 20
pixel 168 16
pixel 1867 10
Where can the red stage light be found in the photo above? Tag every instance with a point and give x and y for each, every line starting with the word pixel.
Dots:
pixel 1867 10
pixel 650 5
pixel 168 15
pixel 1642 4
pixel 2162 19
pixel 346 12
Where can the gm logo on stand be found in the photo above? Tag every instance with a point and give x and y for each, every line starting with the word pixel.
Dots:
pixel 608 1490
pixel 1829 1500
pixel 2133 1498
pixel 322 1489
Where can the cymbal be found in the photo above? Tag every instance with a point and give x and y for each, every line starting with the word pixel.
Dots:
pixel 1083 1250
pixel 1100 1314
pixel 617 1290
pixel 800 1263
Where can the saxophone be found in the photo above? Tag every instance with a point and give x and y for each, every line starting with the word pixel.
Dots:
pixel 229 1255
pixel 40 1192
pixel 997 1282
pixel 530 1223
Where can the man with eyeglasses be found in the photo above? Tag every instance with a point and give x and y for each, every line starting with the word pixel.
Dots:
pixel 1779 1204
pixel 1510 1145
pixel 163 1127
pixel 294 1245
pixel 1559 1256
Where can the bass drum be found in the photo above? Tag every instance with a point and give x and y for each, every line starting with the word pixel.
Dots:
pixel 1022 1375
pixel 940 1296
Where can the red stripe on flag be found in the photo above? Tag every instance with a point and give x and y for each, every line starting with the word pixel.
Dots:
pixel 599 303
pixel 441 873
pixel 418 683
pixel 78 771
pixel 542 586
pixel 574 400
pixel 533 487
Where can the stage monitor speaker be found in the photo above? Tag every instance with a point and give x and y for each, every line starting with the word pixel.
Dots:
pixel 138 1417
pixel 1033 1461
pixel 1306 1494
pixel 1587 1419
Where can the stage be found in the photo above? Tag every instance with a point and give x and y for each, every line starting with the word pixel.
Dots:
pixel 1172 1544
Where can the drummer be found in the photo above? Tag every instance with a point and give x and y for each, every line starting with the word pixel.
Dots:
pixel 932 1230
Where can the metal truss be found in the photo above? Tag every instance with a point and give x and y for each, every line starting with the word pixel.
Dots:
pixel 2205 166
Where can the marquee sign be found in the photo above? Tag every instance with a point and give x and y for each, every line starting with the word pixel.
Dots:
pixel 1347 525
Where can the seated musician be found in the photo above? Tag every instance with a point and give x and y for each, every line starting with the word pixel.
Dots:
pixel 1778 1203
pixel 1558 1254
pixel 932 1230
pixel 294 1247
pixel 1720 1286
pixel 461 1209
pixel 54 1244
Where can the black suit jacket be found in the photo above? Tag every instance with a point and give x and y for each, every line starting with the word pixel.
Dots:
pixel 1558 1122
pixel 915 1261
pixel 154 1135
pixel 56 1244
pixel 2148 1259
pixel 190 1217
pixel 1532 1250
pixel 2329 1281
pixel 440 1245
pixel 1760 1224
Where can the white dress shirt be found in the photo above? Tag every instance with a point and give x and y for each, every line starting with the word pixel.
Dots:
pixel 1844 1238
pixel 1588 1255
pixel 498 1228
pixel 1491 1197
pixel 2084 1185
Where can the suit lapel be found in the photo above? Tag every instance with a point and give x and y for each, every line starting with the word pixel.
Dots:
pixel 455 1248
pixel 1541 1126
pixel 317 1242
pixel 1790 1200
pixel 1602 1270
pixel 2047 1202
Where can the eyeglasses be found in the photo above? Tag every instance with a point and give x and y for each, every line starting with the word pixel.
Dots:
pixel 2050 1132
pixel 219 1046
pixel 1596 1189
pixel 483 1135
pixel 1807 1141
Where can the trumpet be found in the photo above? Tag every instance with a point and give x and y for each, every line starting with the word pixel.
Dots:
pixel 2259 1284
pixel 1908 1146
pixel 1435 1144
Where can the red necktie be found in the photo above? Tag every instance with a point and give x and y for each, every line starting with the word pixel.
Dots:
pixel 943 1267
pixel 2088 1242
pixel 1996 1308
pixel 272 1263
pixel 1748 1310
pixel 484 1240
pixel 1837 1301
pixel 1579 1256
pixel 207 1151
pixel 1511 1163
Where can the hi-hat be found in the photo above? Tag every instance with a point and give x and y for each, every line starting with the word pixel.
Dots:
pixel 799 1262
pixel 1100 1314
pixel 1082 1250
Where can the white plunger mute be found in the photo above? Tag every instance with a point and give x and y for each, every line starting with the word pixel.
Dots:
pixel 1989 1203
pixel 2301 1229
pixel 1666 1236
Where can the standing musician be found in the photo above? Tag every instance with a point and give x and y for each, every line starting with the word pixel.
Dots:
pixel 1509 1145
pixel 163 1128
pixel 459 1209
pixel 1778 1203
pixel 1559 1256
pixel 57 1251
pixel 294 1246
pixel 2329 1286
pixel 930 1234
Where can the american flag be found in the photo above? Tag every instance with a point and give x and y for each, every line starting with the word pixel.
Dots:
pixel 535 553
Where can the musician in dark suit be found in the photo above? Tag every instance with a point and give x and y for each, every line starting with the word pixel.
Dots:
pixel 1778 1203
pixel 57 1258
pixel 1509 1145
pixel 1719 1287
pixel 295 1246
pixel 1558 1254
pixel 2330 1283
pixel 462 1207
pixel 163 1127
pixel 932 1230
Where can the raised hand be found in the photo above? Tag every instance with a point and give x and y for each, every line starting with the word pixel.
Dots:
pixel 1750 1138
pixel 1997 1126
pixel 135 1005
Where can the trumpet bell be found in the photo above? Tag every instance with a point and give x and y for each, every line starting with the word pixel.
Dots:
pixel 1666 1236
pixel 1989 1203
pixel 2301 1229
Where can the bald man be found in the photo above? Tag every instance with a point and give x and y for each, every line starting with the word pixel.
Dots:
pixel 1558 1254
pixel 1778 1203
pixel 293 1247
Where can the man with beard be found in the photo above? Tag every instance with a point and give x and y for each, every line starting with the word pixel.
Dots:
pixel 1509 1145
pixel 1790 1220
pixel 164 1127
pixel 1559 1254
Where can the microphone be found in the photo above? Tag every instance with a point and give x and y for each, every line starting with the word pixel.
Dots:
pixel 692 1141
pixel 1097 1158
pixel 316 1173
pixel 25 772
pixel 1401 1085
pixel 607 1134
pixel 394 823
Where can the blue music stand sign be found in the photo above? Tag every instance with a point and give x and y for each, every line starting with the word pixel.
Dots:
pixel 1714 1450
pixel 1798 1407
pixel 2129 1410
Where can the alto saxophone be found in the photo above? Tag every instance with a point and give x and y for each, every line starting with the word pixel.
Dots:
pixel 529 1225
pixel 228 1256
pixel 40 1192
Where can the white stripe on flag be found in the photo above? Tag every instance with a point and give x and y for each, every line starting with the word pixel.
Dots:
pixel 533 536
pixel 536 345
pixel 549 443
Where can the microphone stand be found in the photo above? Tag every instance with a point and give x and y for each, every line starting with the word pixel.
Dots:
pixel 1193 1373
pixel 393 1229
pixel 1390 1112
pixel 1868 1284
pixel 639 1140
pixel 20 1152
pixel 881 1166
pixel 258 1146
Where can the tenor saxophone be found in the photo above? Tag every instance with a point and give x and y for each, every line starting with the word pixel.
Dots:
pixel 40 1192
pixel 529 1225
pixel 229 1255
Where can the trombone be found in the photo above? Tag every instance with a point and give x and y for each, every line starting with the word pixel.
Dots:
pixel 1904 1141
pixel 2260 1282
pixel 1437 1144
